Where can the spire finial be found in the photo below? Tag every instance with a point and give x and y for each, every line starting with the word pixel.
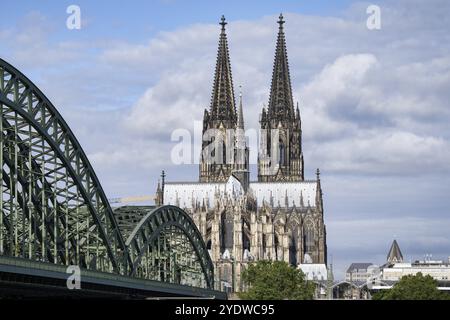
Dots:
pixel 281 20
pixel 318 174
pixel 163 182
pixel 240 119
pixel 163 178
pixel 223 23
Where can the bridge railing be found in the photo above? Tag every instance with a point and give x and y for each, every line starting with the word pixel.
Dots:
pixel 24 267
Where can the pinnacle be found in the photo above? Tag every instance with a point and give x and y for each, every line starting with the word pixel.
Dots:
pixel 240 119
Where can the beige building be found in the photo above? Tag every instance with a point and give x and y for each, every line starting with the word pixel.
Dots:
pixel 438 269
pixel 396 268
pixel 358 272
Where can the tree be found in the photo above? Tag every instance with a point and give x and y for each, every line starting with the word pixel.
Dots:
pixel 275 280
pixel 413 287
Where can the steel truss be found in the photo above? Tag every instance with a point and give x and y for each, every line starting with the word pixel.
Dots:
pixel 53 208
pixel 167 246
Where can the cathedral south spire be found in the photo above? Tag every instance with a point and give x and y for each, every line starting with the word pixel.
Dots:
pixel 281 103
pixel 281 158
pixel 222 100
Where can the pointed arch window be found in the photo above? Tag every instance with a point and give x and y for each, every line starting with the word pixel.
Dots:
pixel 309 238
pixel 222 230
pixel 276 247
pixel 281 153
pixel 293 251
pixel 224 153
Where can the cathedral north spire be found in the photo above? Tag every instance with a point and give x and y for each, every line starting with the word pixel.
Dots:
pixel 222 100
pixel 219 156
pixel 281 102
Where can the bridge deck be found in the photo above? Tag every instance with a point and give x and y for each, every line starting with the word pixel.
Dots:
pixel 33 279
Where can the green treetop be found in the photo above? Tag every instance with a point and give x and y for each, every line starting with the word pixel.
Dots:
pixel 275 280
pixel 413 287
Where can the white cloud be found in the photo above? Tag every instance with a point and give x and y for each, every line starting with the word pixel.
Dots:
pixel 384 152
pixel 27 42
pixel 174 102
pixel 361 121
pixel 355 107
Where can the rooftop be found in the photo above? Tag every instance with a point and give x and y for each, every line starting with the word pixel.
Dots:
pixel 359 266
pixel 284 194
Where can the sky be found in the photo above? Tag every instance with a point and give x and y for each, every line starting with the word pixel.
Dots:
pixel 374 103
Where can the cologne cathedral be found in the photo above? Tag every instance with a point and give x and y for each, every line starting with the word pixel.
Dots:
pixel 277 217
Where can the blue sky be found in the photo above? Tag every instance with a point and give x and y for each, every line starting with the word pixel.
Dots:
pixel 374 104
pixel 140 19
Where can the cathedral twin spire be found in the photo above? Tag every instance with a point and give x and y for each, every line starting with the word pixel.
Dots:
pixel 282 157
pixel 222 101
pixel 281 102
pixel 230 153
pixel 287 165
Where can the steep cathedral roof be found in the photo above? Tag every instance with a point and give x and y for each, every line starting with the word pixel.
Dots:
pixel 395 255
pixel 222 101
pixel 281 103
pixel 283 194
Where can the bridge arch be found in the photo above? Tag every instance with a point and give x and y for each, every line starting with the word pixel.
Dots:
pixel 53 208
pixel 57 211
pixel 167 246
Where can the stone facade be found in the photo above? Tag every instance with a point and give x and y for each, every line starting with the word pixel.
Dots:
pixel 278 217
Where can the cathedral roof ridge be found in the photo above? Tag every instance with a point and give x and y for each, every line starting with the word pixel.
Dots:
pixel 193 182
pixel 283 182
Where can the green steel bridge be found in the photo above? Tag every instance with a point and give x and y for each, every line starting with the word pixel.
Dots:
pixel 54 214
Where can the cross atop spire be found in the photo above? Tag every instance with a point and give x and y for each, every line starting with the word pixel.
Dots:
pixel 223 23
pixel 281 21
pixel 281 103
pixel 222 101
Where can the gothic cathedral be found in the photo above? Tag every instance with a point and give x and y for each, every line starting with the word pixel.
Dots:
pixel 277 217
